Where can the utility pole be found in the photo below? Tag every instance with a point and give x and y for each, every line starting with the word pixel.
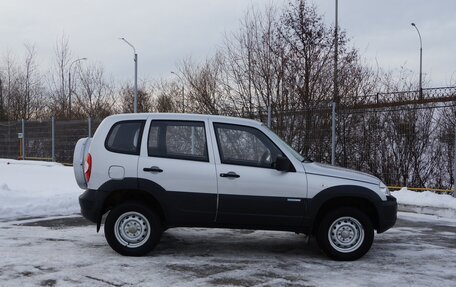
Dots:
pixel 1 100
pixel 135 108
pixel 421 62
pixel 336 54
pixel 336 88
pixel 454 163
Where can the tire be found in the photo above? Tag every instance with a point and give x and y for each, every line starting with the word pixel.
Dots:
pixel 132 229
pixel 345 234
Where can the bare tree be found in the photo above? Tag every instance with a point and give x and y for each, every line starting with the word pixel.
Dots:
pixel 94 94
pixel 126 94
pixel 11 88
pixel 204 92
pixel 21 88
pixel 283 59
pixel 57 94
pixel 31 82
pixel 168 97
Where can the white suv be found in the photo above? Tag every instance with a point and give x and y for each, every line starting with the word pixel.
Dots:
pixel 156 171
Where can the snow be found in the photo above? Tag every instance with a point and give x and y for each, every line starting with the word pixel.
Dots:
pixel 419 251
pixel 429 218
pixel 75 255
pixel 36 188
pixel 425 198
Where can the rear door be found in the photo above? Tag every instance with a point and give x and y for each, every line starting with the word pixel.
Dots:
pixel 176 166
pixel 251 191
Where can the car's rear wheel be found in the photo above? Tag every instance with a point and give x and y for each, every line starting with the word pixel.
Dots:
pixel 132 229
pixel 345 234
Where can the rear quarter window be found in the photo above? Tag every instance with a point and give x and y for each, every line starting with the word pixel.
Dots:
pixel 125 137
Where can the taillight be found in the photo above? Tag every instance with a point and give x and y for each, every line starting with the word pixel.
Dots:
pixel 88 167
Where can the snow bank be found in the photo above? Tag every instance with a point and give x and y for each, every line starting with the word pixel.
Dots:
pixel 36 188
pixel 426 202
pixel 425 198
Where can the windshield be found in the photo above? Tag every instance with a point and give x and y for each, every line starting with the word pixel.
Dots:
pixel 289 148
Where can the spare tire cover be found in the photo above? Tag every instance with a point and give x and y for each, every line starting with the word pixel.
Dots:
pixel 80 152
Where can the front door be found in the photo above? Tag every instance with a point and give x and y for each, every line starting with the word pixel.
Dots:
pixel 251 191
pixel 178 169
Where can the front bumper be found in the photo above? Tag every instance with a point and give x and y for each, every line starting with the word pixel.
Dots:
pixel 387 213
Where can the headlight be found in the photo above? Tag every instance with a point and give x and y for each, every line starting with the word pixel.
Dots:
pixel 384 188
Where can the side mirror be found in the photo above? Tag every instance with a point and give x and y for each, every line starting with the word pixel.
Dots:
pixel 283 164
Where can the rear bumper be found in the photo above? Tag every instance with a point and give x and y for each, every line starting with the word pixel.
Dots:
pixel 89 204
pixel 387 214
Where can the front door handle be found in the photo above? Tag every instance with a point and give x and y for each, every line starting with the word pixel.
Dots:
pixel 153 169
pixel 230 174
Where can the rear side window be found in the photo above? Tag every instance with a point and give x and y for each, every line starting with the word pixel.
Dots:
pixel 178 139
pixel 125 137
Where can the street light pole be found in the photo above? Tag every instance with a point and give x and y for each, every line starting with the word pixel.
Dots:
pixel 183 91
pixel 1 100
pixel 336 53
pixel 421 61
pixel 69 85
pixel 336 87
pixel 454 164
pixel 136 74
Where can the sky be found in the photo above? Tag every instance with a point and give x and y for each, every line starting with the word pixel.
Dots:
pixel 165 32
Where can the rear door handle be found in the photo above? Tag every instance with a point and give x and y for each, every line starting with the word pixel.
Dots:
pixel 153 169
pixel 230 174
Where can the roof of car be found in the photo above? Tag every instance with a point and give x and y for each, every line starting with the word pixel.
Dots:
pixel 180 116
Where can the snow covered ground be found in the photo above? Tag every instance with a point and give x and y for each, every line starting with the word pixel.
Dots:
pixel 36 188
pixel 66 251
pixel 419 251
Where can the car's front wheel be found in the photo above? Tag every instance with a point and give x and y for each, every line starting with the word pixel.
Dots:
pixel 345 234
pixel 132 229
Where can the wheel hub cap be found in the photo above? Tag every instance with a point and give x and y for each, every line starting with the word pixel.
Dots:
pixel 346 234
pixel 132 229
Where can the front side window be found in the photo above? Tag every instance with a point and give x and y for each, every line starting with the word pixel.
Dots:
pixel 244 145
pixel 125 137
pixel 178 139
pixel 296 154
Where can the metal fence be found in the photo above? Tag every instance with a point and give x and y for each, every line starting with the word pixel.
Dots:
pixel 412 145
pixel 406 146
pixel 45 140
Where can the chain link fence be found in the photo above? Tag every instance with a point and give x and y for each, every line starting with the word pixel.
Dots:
pixel 43 140
pixel 404 146
pixel 10 146
pixel 412 145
